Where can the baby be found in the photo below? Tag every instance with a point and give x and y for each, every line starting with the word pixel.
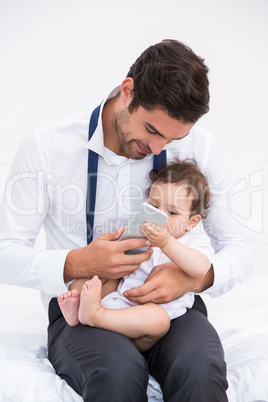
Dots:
pixel 181 191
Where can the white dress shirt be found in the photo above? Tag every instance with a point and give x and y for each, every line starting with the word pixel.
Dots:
pixel 47 186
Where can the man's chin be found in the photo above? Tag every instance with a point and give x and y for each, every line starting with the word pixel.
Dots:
pixel 137 156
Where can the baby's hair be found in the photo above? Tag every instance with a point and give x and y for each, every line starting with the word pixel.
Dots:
pixel 191 178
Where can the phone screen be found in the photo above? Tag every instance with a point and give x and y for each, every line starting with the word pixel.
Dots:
pixel 145 213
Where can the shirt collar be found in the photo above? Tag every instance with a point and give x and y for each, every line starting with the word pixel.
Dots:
pixel 96 142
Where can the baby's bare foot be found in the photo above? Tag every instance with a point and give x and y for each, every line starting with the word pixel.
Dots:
pixel 90 303
pixel 69 305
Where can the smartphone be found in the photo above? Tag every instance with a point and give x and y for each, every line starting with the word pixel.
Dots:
pixel 145 213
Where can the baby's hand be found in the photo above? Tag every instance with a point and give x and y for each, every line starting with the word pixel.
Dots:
pixel 156 234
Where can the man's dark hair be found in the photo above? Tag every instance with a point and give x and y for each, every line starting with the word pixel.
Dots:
pixel 171 77
pixel 187 174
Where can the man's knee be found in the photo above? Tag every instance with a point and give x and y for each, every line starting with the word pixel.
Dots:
pixel 198 376
pixel 99 365
pixel 206 368
pixel 122 376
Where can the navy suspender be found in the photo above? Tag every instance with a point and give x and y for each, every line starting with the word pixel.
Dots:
pixel 92 170
pixel 159 162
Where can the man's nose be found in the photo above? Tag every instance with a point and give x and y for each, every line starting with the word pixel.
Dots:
pixel 157 145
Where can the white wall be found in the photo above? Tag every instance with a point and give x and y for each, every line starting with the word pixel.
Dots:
pixel 59 57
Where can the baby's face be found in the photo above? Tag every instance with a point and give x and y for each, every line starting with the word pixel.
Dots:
pixel 174 201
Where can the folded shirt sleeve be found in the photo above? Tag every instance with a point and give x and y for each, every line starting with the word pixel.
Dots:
pixel 23 210
pixel 233 261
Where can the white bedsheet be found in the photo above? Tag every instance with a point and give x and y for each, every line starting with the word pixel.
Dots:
pixel 240 317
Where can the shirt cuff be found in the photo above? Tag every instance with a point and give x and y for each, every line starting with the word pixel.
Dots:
pixel 50 270
pixel 224 265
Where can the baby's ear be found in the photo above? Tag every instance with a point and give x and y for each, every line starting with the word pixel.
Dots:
pixel 193 221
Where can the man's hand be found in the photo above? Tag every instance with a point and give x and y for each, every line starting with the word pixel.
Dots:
pixel 105 257
pixel 167 282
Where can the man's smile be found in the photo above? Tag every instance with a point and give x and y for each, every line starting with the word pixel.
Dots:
pixel 143 150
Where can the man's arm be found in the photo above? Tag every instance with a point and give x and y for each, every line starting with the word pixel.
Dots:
pixel 24 208
pixel 22 212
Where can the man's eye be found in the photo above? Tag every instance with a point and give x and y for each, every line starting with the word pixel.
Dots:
pixel 150 131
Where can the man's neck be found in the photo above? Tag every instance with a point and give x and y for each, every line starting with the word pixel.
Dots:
pixel 110 137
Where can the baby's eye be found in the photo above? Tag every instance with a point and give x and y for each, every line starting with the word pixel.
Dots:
pixel 172 213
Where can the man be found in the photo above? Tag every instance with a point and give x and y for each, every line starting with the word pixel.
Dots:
pixel 156 107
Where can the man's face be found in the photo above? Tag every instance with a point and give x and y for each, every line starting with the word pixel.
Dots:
pixel 143 132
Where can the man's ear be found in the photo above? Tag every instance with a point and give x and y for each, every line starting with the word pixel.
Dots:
pixel 193 221
pixel 127 87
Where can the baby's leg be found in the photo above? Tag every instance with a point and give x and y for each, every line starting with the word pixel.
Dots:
pixel 108 285
pixel 145 324
pixel 78 284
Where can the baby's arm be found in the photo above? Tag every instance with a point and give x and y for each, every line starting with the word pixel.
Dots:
pixel 191 261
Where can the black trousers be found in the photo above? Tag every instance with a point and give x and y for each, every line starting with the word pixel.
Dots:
pixel 104 366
